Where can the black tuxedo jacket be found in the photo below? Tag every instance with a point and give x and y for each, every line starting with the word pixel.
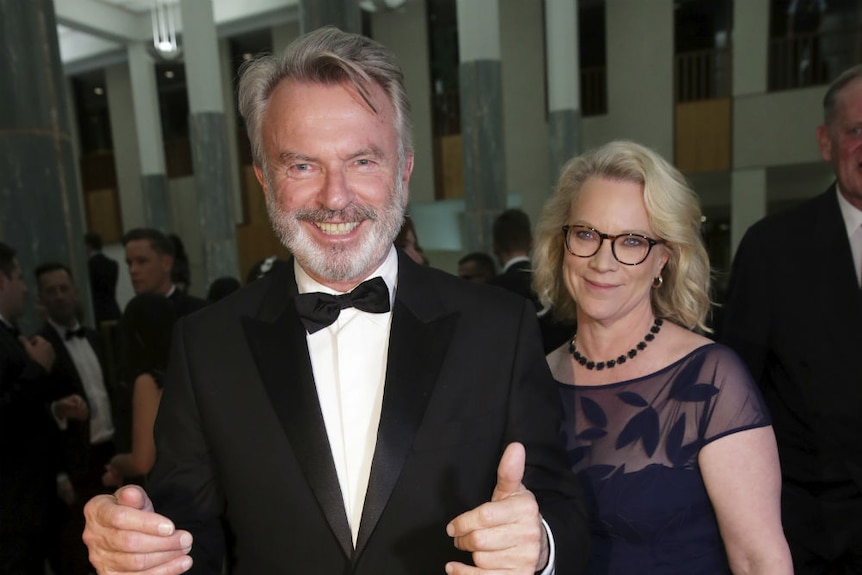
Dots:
pixel 519 279
pixel 29 442
pixel 794 314
pixel 185 304
pixel 103 283
pixel 241 440
pixel 77 436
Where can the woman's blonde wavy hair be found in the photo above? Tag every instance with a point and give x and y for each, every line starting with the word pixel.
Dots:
pixel 674 215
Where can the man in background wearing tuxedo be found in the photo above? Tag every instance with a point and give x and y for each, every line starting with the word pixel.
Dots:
pixel 87 445
pixel 150 257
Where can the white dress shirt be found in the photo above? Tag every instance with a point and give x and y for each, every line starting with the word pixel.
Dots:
pixel 853 223
pixel 93 380
pixel 348 360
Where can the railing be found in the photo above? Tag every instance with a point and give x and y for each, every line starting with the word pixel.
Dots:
pixel 702 75
pixel 803 60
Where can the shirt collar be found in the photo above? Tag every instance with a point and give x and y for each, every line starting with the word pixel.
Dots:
pixel 513 261
pixel 388 270
pixel 852 216
pixel 62 329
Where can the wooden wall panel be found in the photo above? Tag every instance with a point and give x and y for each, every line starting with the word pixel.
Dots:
pixel 703 136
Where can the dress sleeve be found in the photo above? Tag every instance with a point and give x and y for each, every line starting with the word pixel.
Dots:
pixel 736 404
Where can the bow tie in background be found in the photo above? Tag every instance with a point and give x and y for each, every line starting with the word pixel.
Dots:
pixel 72 333
pixel 318 310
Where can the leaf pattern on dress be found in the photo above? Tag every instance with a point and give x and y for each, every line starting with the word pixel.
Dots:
pixel 591 434
pixel 693 391
pixel 594 412
pixel 687 385
pixel 643 426
pixel 678 454
pixel 632 398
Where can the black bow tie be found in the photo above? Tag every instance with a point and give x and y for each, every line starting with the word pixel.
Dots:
pixel 71 333
pixel 319 310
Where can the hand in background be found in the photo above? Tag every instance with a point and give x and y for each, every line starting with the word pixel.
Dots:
pixel 66 491
pixel 40 350
pixel 71 407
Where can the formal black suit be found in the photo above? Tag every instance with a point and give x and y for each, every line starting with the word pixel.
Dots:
pixel 77 444
pixel 240 433
pixel 518 278
pixel 29 457
pixel 103 284
pixel 794 314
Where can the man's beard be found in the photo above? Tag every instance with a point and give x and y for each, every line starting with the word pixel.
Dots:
pixel 341 262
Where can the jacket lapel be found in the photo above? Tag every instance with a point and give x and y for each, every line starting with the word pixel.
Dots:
pixel 420 335
pixel 277 340
pixel 834 276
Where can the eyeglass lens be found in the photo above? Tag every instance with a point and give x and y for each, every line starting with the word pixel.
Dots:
pixel 628 249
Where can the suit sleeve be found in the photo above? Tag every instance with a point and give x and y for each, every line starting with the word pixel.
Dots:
pixel 182 483
pixel 535 415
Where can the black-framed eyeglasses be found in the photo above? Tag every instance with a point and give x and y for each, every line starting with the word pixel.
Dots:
pixel 628 249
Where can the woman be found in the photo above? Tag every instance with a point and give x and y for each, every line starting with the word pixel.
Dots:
pixel 664 427
pixel 145 329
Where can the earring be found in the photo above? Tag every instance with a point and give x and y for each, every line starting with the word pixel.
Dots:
pixel 657 281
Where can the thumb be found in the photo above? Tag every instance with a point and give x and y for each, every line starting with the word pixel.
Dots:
pixel 510 471
pixel 25 341
pixel 133 496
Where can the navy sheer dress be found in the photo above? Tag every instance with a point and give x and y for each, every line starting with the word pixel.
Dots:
pixel 635 444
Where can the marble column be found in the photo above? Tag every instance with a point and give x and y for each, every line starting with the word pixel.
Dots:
pixel 747 202
pixel 748 196
pixel 208 136
pixel 344 14
pixel 148 128
pixel 41 207
pixel 564 96
pixel 481 98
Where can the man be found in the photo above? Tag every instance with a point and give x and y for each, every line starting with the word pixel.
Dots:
pixel 794 313
pixel 150 257
pixel 88 445
pixel 476 267
pixel 29 438
pixel 513 242
pixel 103 273
pixel 353 443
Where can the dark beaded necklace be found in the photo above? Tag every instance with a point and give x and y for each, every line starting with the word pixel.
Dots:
pixel 589 364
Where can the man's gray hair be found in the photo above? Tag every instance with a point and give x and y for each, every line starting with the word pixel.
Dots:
pixel 325 56
pixel 835 88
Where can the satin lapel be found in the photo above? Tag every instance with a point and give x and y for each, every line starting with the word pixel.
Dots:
pixel 277 340
pixel 421 334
